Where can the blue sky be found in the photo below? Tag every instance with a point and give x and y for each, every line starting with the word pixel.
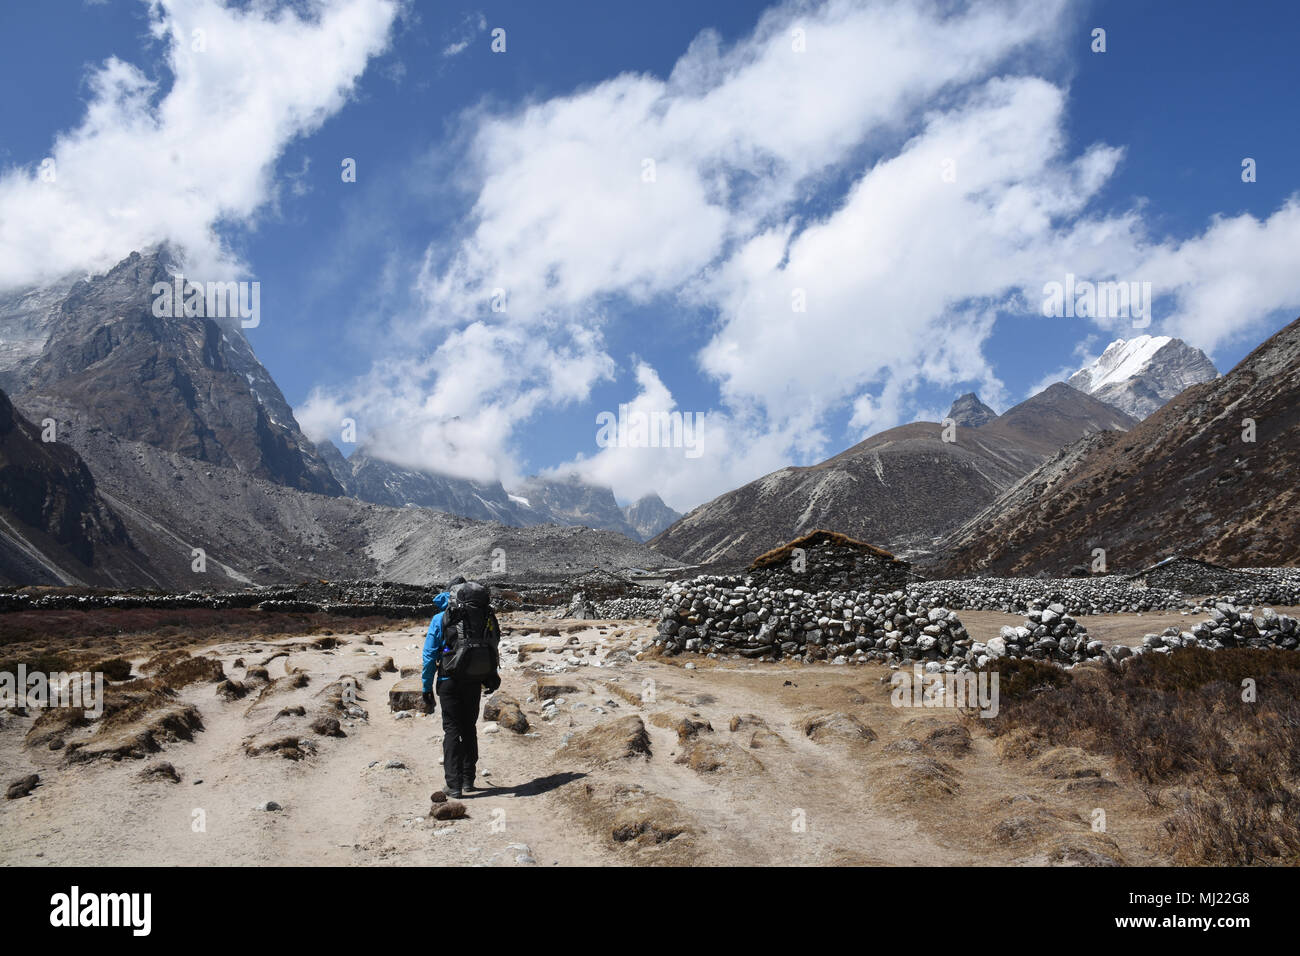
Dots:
pixel 669 294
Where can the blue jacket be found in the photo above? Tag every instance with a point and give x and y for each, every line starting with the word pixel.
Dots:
pixel 433 642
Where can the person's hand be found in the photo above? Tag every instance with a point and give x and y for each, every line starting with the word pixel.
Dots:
pixel 494 683
pixel 429 702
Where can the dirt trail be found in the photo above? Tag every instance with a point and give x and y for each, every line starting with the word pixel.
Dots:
pixel 866 782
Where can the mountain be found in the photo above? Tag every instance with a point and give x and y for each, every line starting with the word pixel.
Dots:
pixel 55 528
pixel 648 516
pixel 1139 375
pixel 571 501
pixel 1184 480
pixel 96 353
pixel 337 464
pixel 174 440
pixel 26 318
pixel 251 530
pixel 384 483
pixel 568 500
pixel 901 489
pixel 970 411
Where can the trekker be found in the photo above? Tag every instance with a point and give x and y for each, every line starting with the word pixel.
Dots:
pixel 460 659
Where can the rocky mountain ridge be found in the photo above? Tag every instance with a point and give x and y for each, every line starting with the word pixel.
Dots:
pixel 253 531
pixel 55 526
pixel 1211 475
pixel 562 501
pixel 968 410
pixel 1141 374
pixel 901 489
pixel 189 384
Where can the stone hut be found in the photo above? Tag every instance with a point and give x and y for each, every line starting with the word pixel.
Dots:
pixel 1191 576
pixel 829 561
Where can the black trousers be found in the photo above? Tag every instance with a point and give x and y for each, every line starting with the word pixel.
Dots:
pixel 459 735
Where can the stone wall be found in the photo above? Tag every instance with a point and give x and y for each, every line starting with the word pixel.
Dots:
pixel 735 617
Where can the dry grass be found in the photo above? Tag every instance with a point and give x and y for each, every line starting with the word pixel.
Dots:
pixel 52 641
pixel 1178 725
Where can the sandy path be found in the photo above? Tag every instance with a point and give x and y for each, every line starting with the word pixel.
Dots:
pixel 338 809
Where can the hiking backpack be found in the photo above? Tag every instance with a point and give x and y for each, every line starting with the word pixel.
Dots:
pixel 472 634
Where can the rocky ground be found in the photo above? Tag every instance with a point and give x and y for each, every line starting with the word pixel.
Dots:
pixel 256 751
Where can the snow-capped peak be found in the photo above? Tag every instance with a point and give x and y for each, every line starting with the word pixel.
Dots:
pixel 1139 375
pixel 1123 359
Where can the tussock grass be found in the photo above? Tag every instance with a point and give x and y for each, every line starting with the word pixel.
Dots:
pixel 1178 723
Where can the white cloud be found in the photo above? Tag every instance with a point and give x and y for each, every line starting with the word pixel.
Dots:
pixel 717 448
pixel 150 163
pixel 643 187
pixel 471 26
pixel 455 410
pixel 1230 279
pixel 719 188
pixel 563 212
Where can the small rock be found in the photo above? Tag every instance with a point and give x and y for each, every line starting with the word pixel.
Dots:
pixel 451 810
pixel 23 786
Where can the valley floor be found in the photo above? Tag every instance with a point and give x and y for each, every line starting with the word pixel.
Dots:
pixel 820 768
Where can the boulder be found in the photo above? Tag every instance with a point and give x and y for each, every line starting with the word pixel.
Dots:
pixel 548 688
pixel 505 711
pixel 407 694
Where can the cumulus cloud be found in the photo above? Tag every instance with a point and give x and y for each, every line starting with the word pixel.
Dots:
pixel 643 187
pixel 454 410
pixel 691 448
pixel 851 195
pixel 1229 280
pixel 153 162
pixel 634 185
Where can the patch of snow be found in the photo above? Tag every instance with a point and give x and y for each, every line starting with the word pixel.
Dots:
pixel 1123 359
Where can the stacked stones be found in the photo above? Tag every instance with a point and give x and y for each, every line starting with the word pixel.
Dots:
pixel 730 615
pixel 830 562
pixel 581 608
pixel 1097 595
pixel 1113 594
pixel 1049 633
pixel 1191 576
pixel 1229 627
pixel 627 607
pixel 352 598
pixel 1268 586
